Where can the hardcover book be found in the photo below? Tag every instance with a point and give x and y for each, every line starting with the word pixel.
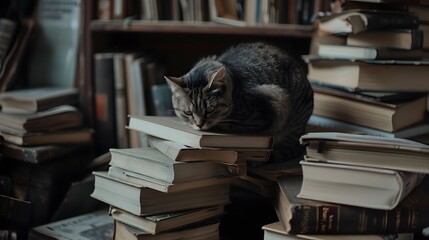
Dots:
pixel 33 100
pixel 406 39
pixel 367 187
pixel 140 200
pixel 173 129
pixel 69 136
pixel 366 150
pixel 153 163
pixel 306 216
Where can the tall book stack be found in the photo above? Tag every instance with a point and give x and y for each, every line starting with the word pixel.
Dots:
pixel 359 186
pixel 179 185
pixel 45 148
pixel 369 73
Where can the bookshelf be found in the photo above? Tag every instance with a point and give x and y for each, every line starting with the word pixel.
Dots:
pixel 178 44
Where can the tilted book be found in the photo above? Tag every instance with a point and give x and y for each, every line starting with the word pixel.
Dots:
pixel 306 216
pixel 143 201
pixel 155 224
pixel 367 187
pixel 173 129
pixel 152 163
pixel 366 150
pixel 33 100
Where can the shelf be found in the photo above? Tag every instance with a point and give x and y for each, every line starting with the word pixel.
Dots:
pixel 277 30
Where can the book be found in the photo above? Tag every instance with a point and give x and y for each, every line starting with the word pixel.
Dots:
pixel 370 75
pixel 140 200
pixel 163 186
pixel 208 231
pixel 406 39
pixel 356 185
pixel 161 99
pixel 156 224
pixel 16 212
pixel 180 152
pixel 275 231
pixel 32 100
pixel 105 107
pixel 306 216
pixel 320 123
pixel 173 129
pixel 42 153
pixel 356 21
pixel 153 163
pixel 69 136
pixel 385 116
pixel 95 225
pixel 358 52
pixel 53 119
pixel 120 100
pixel 367 150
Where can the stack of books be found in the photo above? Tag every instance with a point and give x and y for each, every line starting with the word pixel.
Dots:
pixel 361 186
pixel 179 185
pixel 369 73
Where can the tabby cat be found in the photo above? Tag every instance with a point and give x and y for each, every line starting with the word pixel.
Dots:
pixel 252 88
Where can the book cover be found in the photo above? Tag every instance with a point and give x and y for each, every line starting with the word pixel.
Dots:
pixel 359 186
pixel 173 129
pixel 32 100
pixel 367 150
pixel 306 216
pixel 142 201
pixel 153 163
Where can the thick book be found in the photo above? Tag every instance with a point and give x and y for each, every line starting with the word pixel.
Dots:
pixel 143 201
pixel 158 223
pixel 275 231
pixel 370 75
pixel 32 100
pixel 174 129
pixel 69 136
pixel 356 21
pixel 366 150
pixel 306 216
pixel 325 124
pixel 153 163
pixel 163 186
pixel 364 52
pixel 89 226
pixel 358 186
pixel 180 152
pixel 406 39
pixel 209 231
pixel 57 118
pixel 385 116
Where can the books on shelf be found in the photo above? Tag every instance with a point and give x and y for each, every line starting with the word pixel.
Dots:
pixel 156 224
pixel 356 21
pixel 406 39
pixel 367 150
pixel 140 200
pixel 68 136
pixel 275 231
pixel 209 231
pixel 364 111
pixel 356 185
pixel 94 225
pixel 307 216
pixel 320 123
pixel 370 75
pixel 163 186
pixel 153 163
pixel 180 152
pixel 173 129
pixel 32 100
pixel 57 118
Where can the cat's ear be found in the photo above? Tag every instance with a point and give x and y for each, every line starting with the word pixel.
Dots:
pixel 218 79
pixel 174 82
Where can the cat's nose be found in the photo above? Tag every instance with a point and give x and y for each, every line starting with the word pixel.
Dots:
pixel 199 123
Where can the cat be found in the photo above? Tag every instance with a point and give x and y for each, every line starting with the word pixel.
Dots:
pixel 251 88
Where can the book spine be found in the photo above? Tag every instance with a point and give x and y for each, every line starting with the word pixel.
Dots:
pixel 392 21
pixel 342 219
